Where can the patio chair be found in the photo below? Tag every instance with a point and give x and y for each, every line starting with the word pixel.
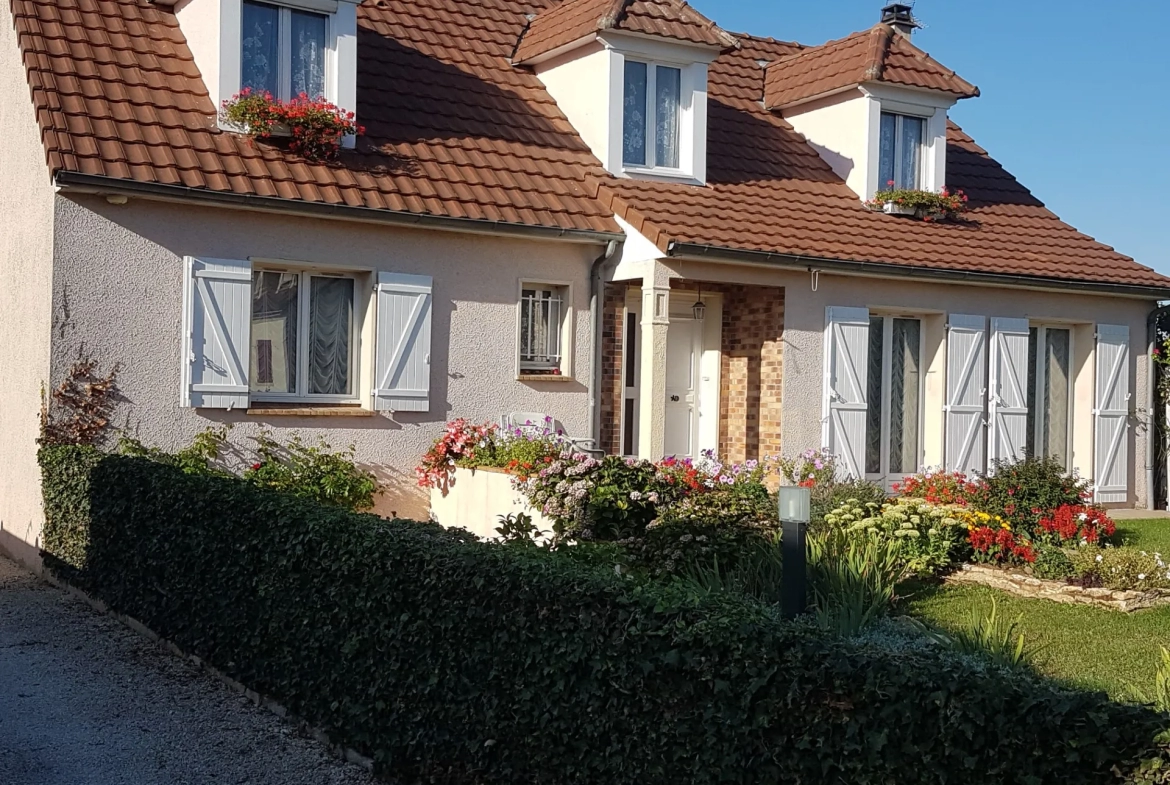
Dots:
pixel 539 423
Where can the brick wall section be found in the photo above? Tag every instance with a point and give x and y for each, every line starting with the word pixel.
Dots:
pixel 752 368
pixel 612 387
pixel 752 374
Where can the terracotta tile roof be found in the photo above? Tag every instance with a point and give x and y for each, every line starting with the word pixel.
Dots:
pixel 573 20
pixel 454 130
pixel 769 191
pixel 876 55
pixel 117 94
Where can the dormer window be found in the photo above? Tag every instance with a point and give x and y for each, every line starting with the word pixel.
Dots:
pixel 903 148
pixel 652 119
pixel 283 50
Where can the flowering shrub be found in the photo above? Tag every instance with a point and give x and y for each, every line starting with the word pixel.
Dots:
pixel 313 472
pixel 459 441
pixel 1029 490
pixel 931 535
pixel 944 205
pixel 809 469
pixel 994 542
pixel 1076 524
pixel 938 487
pixel 1123 568
pixel 316 125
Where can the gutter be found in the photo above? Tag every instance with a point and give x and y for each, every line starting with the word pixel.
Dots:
pixel 880 269
pixel 595 321
pixel 74 182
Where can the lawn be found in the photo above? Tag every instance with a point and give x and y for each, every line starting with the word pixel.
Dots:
pixel 1089 647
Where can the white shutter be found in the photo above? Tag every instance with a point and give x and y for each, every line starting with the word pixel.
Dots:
pixel 403 345
pixel 1008 401
pixel 846 390
pixel 217 326
pixel 1111 442
pixel 966 434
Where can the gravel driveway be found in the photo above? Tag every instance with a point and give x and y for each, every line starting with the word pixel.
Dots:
pixel 85 701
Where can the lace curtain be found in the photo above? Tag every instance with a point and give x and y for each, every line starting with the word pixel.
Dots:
pixel 330 333
pixel 308 54
pixel 668 85
pixel 260 47
pixel 634 117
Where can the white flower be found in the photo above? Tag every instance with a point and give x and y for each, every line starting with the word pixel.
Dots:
pixel 1100 557
pixel 1141 576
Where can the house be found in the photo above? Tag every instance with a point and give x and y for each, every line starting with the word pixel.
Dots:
pixel 611 211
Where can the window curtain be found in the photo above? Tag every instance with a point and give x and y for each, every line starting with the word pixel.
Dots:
pixel 1056 399
pixel 668 86
pixel 905 394
pixel 634 117
pixel 260 48
pixel 330 333
pixel 308 54
pixel 887 137
pixel 910 152
pixel 875 407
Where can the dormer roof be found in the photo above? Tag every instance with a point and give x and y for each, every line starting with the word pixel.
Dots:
pixel 880 54
pixel 574 20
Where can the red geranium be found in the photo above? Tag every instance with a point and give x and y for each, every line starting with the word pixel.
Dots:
pixel 1075 523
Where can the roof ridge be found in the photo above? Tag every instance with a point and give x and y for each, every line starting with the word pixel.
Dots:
pixel 617 9
pixel 879 47
pixel 711 24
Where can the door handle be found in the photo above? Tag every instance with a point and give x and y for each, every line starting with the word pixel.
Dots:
pixel 674 399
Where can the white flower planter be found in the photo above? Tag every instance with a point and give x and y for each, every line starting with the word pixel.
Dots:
pixel 893 208
pixel 477 498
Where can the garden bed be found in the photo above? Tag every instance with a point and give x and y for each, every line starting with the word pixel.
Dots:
pixel 475 500
pixel 1024 585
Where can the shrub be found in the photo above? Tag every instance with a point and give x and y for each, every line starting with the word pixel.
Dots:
pixel 1076 524
pixel 461 440
pixel 1052 563
pixel 931 535
pixel 199 457
pixel 78 410
pixel 829 496
pixel 450 660
pixel 1123 568
pixel 938 487
pixel 1027 491
pixel 756 570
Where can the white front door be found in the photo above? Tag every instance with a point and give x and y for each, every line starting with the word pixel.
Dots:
pixel 683 349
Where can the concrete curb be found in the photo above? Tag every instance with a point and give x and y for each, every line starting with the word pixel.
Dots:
pixel 337 750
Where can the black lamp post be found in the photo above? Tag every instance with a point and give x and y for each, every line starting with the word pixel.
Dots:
pixel 794 517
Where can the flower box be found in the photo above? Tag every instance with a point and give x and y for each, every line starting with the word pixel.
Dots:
pixel 893 208
pixel 477 498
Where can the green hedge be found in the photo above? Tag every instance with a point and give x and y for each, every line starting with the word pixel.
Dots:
pixel 453 661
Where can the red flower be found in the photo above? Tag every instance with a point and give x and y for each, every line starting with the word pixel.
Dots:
pixel 256 466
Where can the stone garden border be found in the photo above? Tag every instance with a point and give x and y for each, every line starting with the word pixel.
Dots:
pixel 1058 591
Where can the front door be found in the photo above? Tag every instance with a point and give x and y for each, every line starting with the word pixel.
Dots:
pixel 683 350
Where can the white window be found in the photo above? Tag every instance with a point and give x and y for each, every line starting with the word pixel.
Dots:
pixel 1049 392
pixel 304 336
pixel 903 145
pixel 652 116
pixel 893 432
pixel 283 50
pixel 543 312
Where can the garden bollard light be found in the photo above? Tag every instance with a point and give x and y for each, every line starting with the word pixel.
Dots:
pixel 794 519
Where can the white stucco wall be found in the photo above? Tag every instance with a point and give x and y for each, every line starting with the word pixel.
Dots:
pixel 26 204
pixel 120 268
pixel 804 324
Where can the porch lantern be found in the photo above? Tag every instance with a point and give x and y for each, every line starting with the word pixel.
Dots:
pixel 699 309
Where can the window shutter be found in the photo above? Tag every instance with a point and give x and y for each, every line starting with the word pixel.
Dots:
pixel 966 434
pixel 845 408
pixel 1008 401
pixel 403 344
pixel 1111 415
pixel 217 326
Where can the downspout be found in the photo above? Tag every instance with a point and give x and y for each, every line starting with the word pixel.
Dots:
pixel 1151 396
pixel 595 322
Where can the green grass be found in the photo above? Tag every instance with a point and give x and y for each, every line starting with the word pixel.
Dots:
pixel 1087 647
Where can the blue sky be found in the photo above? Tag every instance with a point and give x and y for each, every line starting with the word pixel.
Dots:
pixel 1074 103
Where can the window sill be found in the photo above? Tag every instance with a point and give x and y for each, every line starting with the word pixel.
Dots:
pixel 543 377
pixel 307 410
pixel 655 173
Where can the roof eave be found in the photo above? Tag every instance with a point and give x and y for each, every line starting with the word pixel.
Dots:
pixel 698 251
pixel 76 182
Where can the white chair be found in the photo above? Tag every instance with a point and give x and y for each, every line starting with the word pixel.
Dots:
pixel 538 423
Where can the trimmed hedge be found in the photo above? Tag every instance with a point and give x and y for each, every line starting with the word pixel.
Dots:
pixel 454 661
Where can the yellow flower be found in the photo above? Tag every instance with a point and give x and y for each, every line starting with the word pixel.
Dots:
pixel 1007 526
